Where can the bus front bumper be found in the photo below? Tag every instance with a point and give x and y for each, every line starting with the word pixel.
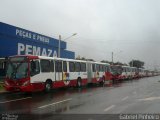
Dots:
pixel 28 88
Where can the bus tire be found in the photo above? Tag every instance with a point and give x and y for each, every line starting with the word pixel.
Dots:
pixel 48 86
pixel 79 83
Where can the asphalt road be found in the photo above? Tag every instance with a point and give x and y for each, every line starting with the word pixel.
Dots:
pixel 130 97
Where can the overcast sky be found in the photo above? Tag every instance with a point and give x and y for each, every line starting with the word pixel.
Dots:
pixel 129 28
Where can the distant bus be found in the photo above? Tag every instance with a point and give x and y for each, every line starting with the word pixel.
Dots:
pixel 116 72
pixel 36 73
pixel 120 72
pixel 141 72
pixel 134 72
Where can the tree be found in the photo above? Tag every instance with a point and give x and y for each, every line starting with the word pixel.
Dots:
pixel 116 63
pixel 80 58
pixel 136 63
pixel 89 59
pixel 105 61
pixel 119 63
pixel 83 58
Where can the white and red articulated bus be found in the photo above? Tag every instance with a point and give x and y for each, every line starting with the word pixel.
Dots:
pixel 37 73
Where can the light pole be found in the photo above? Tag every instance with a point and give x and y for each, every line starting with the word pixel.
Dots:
pixel 132 62
pixel 59 45
pixel 112 56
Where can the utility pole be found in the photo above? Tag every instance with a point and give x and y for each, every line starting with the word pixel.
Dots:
pixel 112 58
pixel 132 63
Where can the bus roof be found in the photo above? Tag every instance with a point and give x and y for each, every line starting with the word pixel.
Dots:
pixel 55 58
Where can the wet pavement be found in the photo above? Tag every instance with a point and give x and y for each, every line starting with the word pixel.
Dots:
pixel 134 96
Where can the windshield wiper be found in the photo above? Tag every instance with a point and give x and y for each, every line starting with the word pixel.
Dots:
pixel 13 74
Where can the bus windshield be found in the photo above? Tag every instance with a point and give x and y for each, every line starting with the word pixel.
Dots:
pixel 116 70
pixel 17 69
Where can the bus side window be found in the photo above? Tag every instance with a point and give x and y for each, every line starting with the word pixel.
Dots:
pixel 102 68
pixel 106 68
pixel 34 67
pixel 2 69
pixel 83 67
pixel 58 66
pixel 1 65
pixel 109 69
pixel 71 66
pixel 77 67
pixel 124 70
pixel 45 66
pixel 64 66
pixel 97 67
pixel 52 66
pixel 93 67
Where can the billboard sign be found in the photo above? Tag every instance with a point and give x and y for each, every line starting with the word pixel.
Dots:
pixel 15 40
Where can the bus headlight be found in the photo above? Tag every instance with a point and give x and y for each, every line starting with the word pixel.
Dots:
pixel 25 83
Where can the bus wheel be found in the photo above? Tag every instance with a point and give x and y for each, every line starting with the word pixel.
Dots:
pixel 48 86
pixel 79 82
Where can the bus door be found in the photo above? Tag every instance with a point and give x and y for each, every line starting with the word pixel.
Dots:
pixel 108 75
pixel 58 70
pixel 89 72
pixel 65 73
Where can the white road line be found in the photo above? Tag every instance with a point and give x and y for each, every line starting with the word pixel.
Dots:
pixel 108 108
pixel 15 100
pixel 55 103
pixel 149 99
pixel 125 98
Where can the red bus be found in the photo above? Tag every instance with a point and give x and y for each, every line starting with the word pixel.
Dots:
pixel 36 73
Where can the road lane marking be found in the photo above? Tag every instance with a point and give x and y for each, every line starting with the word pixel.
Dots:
pixel 125 98
pixel 44 106
pixel 108 108
pixel 149 99
pixel 15 100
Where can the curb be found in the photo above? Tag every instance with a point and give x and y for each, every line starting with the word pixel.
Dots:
pixel 4 92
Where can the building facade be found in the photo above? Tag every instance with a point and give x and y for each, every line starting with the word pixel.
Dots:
pixel 18 41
